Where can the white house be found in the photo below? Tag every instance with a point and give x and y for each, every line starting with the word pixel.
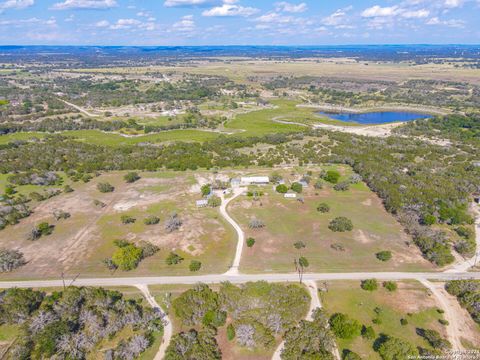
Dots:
pixel 202 203
pixel 254 180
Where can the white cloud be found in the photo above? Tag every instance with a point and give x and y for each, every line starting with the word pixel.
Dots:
pixel 378 11
pixel 415 14
pixel 230 10
pixel 16 4
pixel 451 4
pixel 291 8
pixel 455 23
pixel 102 24
pixel 186 3
pixel 338 18
pixel 84 4
pixel 125 24
pixel 186 24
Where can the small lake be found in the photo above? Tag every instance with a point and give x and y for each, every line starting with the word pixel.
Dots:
pixel 378 117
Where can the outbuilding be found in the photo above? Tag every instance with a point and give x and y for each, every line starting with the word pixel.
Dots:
pixel 202 203
pixel 254 180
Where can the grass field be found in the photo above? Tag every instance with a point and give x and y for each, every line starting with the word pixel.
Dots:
pixel 288 221
pixel 411 301
pixel 79 244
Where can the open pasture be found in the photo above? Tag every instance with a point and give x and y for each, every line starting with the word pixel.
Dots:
pixel 79 244
pixel 288 221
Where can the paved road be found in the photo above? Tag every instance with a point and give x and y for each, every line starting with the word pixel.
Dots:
pixel 241 278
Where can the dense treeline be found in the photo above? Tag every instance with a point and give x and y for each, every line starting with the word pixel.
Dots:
pixel 454 127
pixel 468 294
pixel 72 323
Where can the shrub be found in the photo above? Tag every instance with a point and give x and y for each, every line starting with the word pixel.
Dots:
pixel 230 332
pixel 127 257
pixel 384 255
pixel 105 187
pixel 121 243
pixel 173 259
pixel 299 245
pixel 250 242
pixel 45 228
pixel 10 260
pixel 126 219
pixel 341 224
pixel 214 318
pixel 67 189
pixel 429 219
pixel 350 355
pixel 148 249
pixel 318 185
pixel 338 247
pixel 369 284
pixel 434 339
pixel 368 332
pixel 332 176
pixel 282 188
pixel 173 223
pixel 342 186
pixel 131 177
pixel 195 265
pixel 297 187
pixel 206 189
pixel 323 208
pixel 151 220
pixel 214 201
pixel 403 321
pixel 390 285
pixel 343 327
pixel 443 322
pixel 256 224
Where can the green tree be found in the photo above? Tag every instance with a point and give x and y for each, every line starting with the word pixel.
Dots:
pixel 397 349
pixel 384 255
pixel 230 332
pixel 297 187
pixel 131 177
pixel 345 327
pixel 127 257
pixel 195 265
pixel 368 332
pixel 206 189
pixel 105 187
pixel 282 188
pixel 151 220
pixel 173 259
pixel 45 228
pixel 250 242
pixel 214 201
pixel 341 224
pixel 323 208
pixel 332 176
pixel 390 285
pixel 369 284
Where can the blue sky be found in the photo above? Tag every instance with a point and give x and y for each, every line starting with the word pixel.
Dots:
pixel 238 22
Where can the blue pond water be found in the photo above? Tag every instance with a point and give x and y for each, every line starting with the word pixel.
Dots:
pixel 381 117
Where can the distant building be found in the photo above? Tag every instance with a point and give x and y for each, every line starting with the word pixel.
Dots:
pixel 303 183
pixel 202 203
pixel 254 180
pixel 290 196
pixel 235 182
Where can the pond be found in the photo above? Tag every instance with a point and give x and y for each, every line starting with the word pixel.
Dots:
pixel 378 117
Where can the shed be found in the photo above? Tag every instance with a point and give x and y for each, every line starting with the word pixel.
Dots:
pixel 202 203
pixel 254 180
pixel 290 196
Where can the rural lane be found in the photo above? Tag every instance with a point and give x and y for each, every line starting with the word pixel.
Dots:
pixel 167 330
pixel 240 234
